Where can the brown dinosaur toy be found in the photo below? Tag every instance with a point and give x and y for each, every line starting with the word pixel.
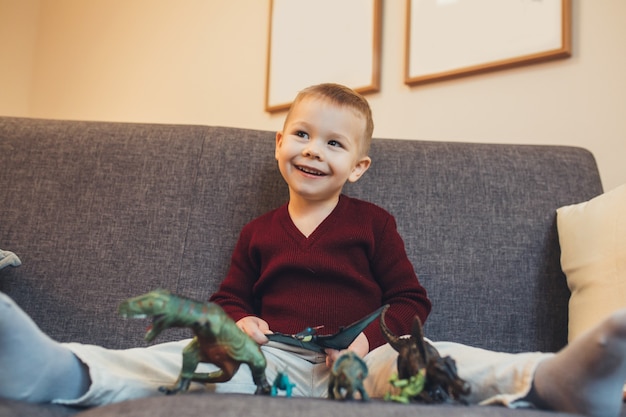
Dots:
pixel 442 383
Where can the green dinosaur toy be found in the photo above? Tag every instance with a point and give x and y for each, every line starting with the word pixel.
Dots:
pixel 217 339
pixel 409 388
pixel 346 377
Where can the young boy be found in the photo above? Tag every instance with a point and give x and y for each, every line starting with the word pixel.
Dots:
pixel 323 258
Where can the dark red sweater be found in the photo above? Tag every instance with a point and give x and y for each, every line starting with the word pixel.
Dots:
pixel 353 263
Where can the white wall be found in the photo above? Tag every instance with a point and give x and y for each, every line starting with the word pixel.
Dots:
pixel 203 62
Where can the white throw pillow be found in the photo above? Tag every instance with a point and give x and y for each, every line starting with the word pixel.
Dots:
pixel 592 236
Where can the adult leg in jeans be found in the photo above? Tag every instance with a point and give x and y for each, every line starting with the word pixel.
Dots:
pixel 34 367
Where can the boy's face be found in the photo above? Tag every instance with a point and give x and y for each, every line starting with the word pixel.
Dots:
pixel 320 148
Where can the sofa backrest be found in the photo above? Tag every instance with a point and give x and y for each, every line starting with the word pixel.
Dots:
pixel 99 212
pixel 479 224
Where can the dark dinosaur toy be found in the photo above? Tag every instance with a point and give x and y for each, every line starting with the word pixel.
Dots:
pixel 310 339
pixel 442 383
pixel 346 377
pixel 217 339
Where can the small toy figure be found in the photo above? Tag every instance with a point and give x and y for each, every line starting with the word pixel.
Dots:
pixel 307 335
pixel 415 355
pixel 409 388
pixel 282 382
pixel 346 377
pixel 217 339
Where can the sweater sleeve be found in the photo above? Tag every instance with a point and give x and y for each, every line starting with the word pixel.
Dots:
pixel 235 294
pixel 400 286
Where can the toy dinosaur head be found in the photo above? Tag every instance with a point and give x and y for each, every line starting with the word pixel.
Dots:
pixel 146 305
pixel 412 352
pixel 153 304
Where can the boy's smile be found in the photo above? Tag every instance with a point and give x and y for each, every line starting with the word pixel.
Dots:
pixel 320 148
pixel 308 170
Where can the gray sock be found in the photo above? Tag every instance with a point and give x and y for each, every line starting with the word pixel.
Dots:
pixel 587 376
pixel 34 367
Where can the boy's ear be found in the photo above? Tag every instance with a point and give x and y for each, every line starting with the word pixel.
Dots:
pixel 361 166
pixel 279 139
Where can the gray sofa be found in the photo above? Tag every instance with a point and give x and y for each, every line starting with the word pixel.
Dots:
pixel 99 212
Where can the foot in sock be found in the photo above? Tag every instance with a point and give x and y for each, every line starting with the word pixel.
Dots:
pixel 587 376
pixel 34 367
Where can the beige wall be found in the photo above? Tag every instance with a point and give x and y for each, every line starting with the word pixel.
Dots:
pixel 18 32
pixel 203 61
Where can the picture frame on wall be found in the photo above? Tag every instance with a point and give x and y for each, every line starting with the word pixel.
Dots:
pixel 312 42
pixel 448 39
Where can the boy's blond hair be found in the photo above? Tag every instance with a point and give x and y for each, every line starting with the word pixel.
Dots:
pixel 342 96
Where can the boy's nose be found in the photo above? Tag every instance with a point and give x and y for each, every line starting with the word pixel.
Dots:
pixel 312 151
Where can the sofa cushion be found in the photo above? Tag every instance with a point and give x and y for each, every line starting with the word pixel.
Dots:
pixel 14 408
pixel 592 235
pixel 236 405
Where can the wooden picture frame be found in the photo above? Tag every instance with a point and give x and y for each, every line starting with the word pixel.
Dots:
pixel 312 42
pixel 451 38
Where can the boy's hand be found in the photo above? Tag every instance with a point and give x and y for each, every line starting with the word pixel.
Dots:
pixel 360 346
pixel 255 327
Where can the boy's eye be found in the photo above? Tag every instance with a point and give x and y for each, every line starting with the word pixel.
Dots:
pixel 335 143
pixel 302 134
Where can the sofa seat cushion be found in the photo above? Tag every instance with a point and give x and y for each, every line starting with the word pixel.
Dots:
pixel 237 405
pixel 14 408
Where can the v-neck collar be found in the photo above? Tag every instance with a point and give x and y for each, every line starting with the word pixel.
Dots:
pixel 298 236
